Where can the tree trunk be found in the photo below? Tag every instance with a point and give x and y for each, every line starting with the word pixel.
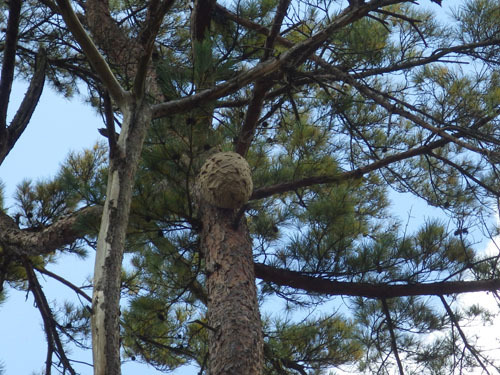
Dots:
pixel 236 344
pixel 111 241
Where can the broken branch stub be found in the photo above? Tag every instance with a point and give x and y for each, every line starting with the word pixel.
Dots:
pixel 225 180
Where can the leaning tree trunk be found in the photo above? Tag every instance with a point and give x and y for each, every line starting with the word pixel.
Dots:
pixel 235 339
pixel 124 159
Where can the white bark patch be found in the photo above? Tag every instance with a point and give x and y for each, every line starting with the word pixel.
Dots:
pixel 225 180
pixel 98 339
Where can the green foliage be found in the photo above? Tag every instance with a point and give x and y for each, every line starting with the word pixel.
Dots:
pixel 479 20
pixel 84 174
pixel 314 345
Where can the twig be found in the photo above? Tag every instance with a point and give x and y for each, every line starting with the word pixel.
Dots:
pixel 53 341
pixel 78 290
pixel 454 321
pixel 390 325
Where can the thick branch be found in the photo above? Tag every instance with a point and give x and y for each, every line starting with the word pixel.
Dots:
pixel 318 285
pixel 201 16
pixel 252 116
pixel 63 232
pixel 8 64
pixel 281 12
pixel 155 15
pixel 95 58
pixel 219 91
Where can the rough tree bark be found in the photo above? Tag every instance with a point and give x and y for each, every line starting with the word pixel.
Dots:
pixel 235 340
pixel 236 343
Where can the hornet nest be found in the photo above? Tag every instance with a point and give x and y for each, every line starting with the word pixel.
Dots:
pixel 225 180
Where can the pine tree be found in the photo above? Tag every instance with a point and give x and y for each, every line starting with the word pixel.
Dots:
pixel 330 107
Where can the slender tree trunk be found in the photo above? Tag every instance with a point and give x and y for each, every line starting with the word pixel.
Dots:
pixel 236 344
pixel 111 241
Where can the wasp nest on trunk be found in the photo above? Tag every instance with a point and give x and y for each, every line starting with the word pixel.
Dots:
pixel 225 180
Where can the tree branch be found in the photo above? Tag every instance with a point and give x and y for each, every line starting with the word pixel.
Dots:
pixel 9 62
pixel 97 61
pixel 394 344
pixel 27 107
pixel 319 285
pixel 465 173
pixel 114 149
pixel 156 13
pixel 252 116
pixel 281 12
pixel 295 55
pixel 53 341
pixel 261 87
pixel 382 99
pixel 469 347
pixel 268 191
pixel 63 232
pixel 433 57
pixel 62 280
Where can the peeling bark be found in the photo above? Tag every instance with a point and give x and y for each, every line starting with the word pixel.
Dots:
pixel 111 241
pixel 236 343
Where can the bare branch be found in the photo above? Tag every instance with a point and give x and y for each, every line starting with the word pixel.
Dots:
pixel 339 177
pixel 76 289
pixel 394 343
pixel 319 285
pixel 469 347
pixel 53 341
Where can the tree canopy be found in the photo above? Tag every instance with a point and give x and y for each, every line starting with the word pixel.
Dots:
pixel 337 108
